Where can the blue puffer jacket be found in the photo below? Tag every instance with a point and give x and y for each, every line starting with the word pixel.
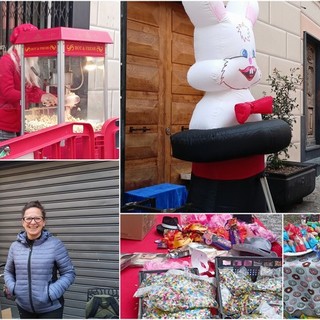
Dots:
pixel 30 272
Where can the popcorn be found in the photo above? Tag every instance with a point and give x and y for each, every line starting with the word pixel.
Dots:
pixel 34 123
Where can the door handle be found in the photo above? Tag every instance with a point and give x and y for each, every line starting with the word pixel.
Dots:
pixel 183 128
pixel 143 129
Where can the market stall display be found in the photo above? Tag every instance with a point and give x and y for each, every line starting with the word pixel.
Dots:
pixel 176 244
pixel 300 239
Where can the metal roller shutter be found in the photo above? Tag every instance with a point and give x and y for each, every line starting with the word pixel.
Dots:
pixel 82 203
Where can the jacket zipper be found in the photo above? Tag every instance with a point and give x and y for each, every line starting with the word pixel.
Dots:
pixel 29 279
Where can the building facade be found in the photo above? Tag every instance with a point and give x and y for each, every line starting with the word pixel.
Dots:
pixel 287 36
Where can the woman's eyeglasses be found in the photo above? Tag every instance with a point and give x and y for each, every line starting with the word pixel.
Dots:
pixel 29 219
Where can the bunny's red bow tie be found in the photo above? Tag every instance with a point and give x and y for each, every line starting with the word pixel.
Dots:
pixel 243 110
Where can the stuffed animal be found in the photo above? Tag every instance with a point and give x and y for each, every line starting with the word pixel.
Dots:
pixel 308 238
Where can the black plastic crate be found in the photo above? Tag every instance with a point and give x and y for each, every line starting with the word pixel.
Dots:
pixel 143 275
pixel 252 263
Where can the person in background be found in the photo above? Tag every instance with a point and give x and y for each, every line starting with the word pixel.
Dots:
pixel 10 86
pixel 32 267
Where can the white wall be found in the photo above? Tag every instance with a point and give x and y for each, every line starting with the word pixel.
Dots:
pixel 279 43
pixel 105 16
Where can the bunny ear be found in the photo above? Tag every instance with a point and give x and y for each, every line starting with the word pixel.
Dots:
pixel 253 11
pixel 205 13
pixel 248 9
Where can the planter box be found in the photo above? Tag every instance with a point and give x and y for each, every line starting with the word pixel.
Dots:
pixel 287 189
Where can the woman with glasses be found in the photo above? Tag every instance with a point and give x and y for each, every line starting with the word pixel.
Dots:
pixel 33 263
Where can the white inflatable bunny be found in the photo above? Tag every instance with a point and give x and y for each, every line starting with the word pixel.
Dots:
pixel 225 55
pixel 227 153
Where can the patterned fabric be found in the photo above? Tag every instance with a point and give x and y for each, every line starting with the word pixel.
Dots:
pixel 302 283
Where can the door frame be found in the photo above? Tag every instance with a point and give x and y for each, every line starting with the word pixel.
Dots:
pixel 307 154
pixel 123 88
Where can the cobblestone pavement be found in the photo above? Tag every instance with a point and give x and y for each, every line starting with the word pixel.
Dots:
pixel 273 222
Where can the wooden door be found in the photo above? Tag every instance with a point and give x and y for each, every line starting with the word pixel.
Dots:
pixel 159 101
pixel 310 95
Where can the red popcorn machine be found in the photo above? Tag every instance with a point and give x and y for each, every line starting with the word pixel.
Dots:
pixel 71 64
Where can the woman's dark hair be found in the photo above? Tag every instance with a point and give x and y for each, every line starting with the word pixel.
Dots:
pixel 34 204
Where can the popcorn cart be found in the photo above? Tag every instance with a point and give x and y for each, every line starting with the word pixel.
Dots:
pixel 72 65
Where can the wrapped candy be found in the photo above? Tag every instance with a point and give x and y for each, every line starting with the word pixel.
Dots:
pixel 195 227
pixel 299 244
pixel 317 231
pixel 175 239
pixel 295 234
pixel 254 229
pixel 194 231
pixel 220 232
pixel 316 249
pixel 292 230
pixel 212 239
pixel 311 240
pixel 209 220
pixel 234 235
pixel 292 246
pixel 304 238
pixel 286 246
